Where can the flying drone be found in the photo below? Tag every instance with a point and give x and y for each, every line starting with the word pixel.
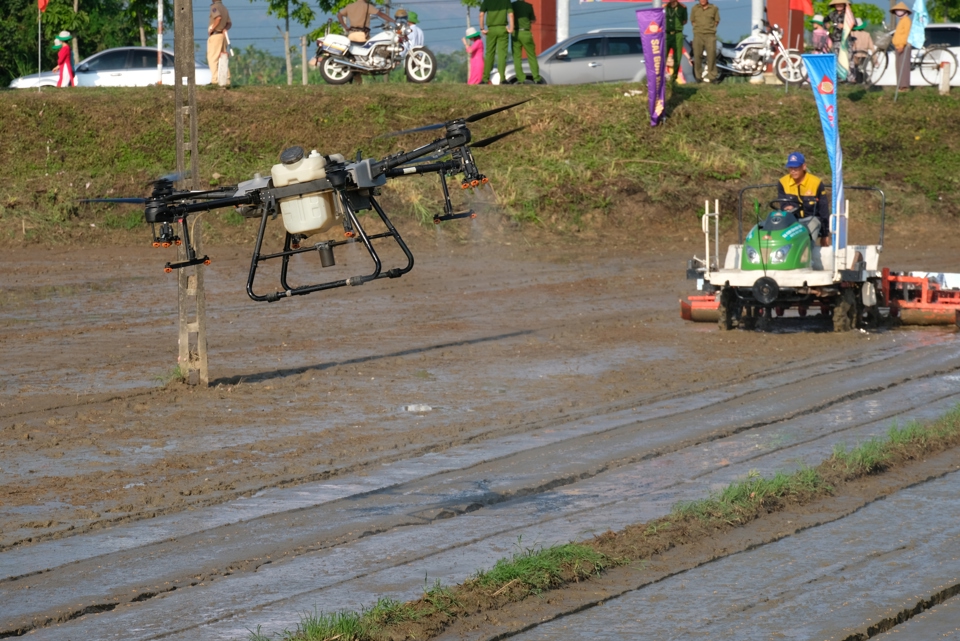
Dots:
pixel 311 193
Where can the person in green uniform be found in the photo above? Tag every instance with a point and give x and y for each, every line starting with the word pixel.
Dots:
pixel 496 23
pixel 523 17
pixel 676 17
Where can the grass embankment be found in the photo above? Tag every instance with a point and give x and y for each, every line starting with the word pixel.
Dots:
pixel 535 570
pixel 588 158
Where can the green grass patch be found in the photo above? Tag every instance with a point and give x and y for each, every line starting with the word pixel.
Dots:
pixel 572 169
pixel 540 568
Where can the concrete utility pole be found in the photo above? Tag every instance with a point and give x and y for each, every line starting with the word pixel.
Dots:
pixel 756 16
pixel 192 356
pixel 303 60
pixel 563 20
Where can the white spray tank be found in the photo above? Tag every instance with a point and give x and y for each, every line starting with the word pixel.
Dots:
pixel 308 213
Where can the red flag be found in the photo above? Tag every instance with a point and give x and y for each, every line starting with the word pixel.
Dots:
pixel 42 5
pixel 806 6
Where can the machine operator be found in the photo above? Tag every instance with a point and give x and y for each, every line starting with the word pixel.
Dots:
pixel 814 211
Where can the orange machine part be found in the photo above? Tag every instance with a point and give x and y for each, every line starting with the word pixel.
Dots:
pixel 923 303
pixel 700 309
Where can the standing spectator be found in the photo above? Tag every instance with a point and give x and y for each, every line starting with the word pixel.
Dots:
pixel 474 46
pixel 676 17
pixel 821 37
pixel 415 37
pixel 901 43
pixel 705 17
pixel 861 48
pixel 836 17
pixel 524 17
pixel 64 64
pixel 217 41
pixel 496 23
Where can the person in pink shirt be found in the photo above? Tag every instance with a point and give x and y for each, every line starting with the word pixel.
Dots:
pixel 64 64
pixel 474 46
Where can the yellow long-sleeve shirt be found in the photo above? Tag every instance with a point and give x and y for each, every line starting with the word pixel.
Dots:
pixel 902 33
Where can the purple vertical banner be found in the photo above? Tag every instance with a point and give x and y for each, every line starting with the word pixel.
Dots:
pixel 651 23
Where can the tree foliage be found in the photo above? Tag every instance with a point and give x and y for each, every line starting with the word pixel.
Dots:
pixel 97 25
pixel 867 12
pixel 944 10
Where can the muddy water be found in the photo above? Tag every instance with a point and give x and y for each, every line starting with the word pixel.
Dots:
pixel 829 582
pixel 566 398
pixel 362 571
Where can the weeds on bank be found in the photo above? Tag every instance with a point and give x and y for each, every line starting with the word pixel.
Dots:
pixel 536 569
pixel 175 375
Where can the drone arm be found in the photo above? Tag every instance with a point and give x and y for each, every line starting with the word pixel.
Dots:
pixel 446 166
pixel 455 140
pixel 190 208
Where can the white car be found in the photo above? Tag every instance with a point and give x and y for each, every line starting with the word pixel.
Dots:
pixel 601 55
pixel 120 67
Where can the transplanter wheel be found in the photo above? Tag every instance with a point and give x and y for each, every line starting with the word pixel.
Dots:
pixel 728 310
pixel 845 311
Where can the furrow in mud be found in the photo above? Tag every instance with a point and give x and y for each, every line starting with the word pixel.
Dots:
pixel 619 490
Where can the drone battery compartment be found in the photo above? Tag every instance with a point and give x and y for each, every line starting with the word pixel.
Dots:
pixel 310 213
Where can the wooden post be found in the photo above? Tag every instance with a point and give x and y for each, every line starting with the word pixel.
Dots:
pixel 192 356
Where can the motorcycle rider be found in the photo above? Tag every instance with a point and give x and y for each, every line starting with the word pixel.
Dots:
pixel 814 210
pixel 358 15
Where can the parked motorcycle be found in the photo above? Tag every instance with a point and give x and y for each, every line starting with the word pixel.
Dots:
pixel 340 60
pixel 751 56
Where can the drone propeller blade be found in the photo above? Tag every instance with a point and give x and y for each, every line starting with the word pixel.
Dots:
pixel 171 178
pixel 438 125
pixel 484 114
pixel 131 201
pixel 441 125
pixel 493 139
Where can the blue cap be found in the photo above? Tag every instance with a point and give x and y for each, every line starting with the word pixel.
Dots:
pixel 795 159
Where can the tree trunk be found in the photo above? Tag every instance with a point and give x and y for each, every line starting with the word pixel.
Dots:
pixel 286 47
pixel 75 45
pixel 143 35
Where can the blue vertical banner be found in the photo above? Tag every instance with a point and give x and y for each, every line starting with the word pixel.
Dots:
pixel 918 24
pixel 652 36
pixel 822 72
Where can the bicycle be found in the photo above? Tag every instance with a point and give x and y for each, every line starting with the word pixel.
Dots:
pixel 871 67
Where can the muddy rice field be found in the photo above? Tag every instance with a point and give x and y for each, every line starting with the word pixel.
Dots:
pixel 507 392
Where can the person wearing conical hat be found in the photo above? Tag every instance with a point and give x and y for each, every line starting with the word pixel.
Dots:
pixel 902 44
pixel 64 63
pixel 821 37
pixel 474 46
pixel 838 12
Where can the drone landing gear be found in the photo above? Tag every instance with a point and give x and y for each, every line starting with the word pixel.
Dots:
pixel 166 238
pixel 448 206
pixel 354 231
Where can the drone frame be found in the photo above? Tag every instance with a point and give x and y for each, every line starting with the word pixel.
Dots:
pixel 355 186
